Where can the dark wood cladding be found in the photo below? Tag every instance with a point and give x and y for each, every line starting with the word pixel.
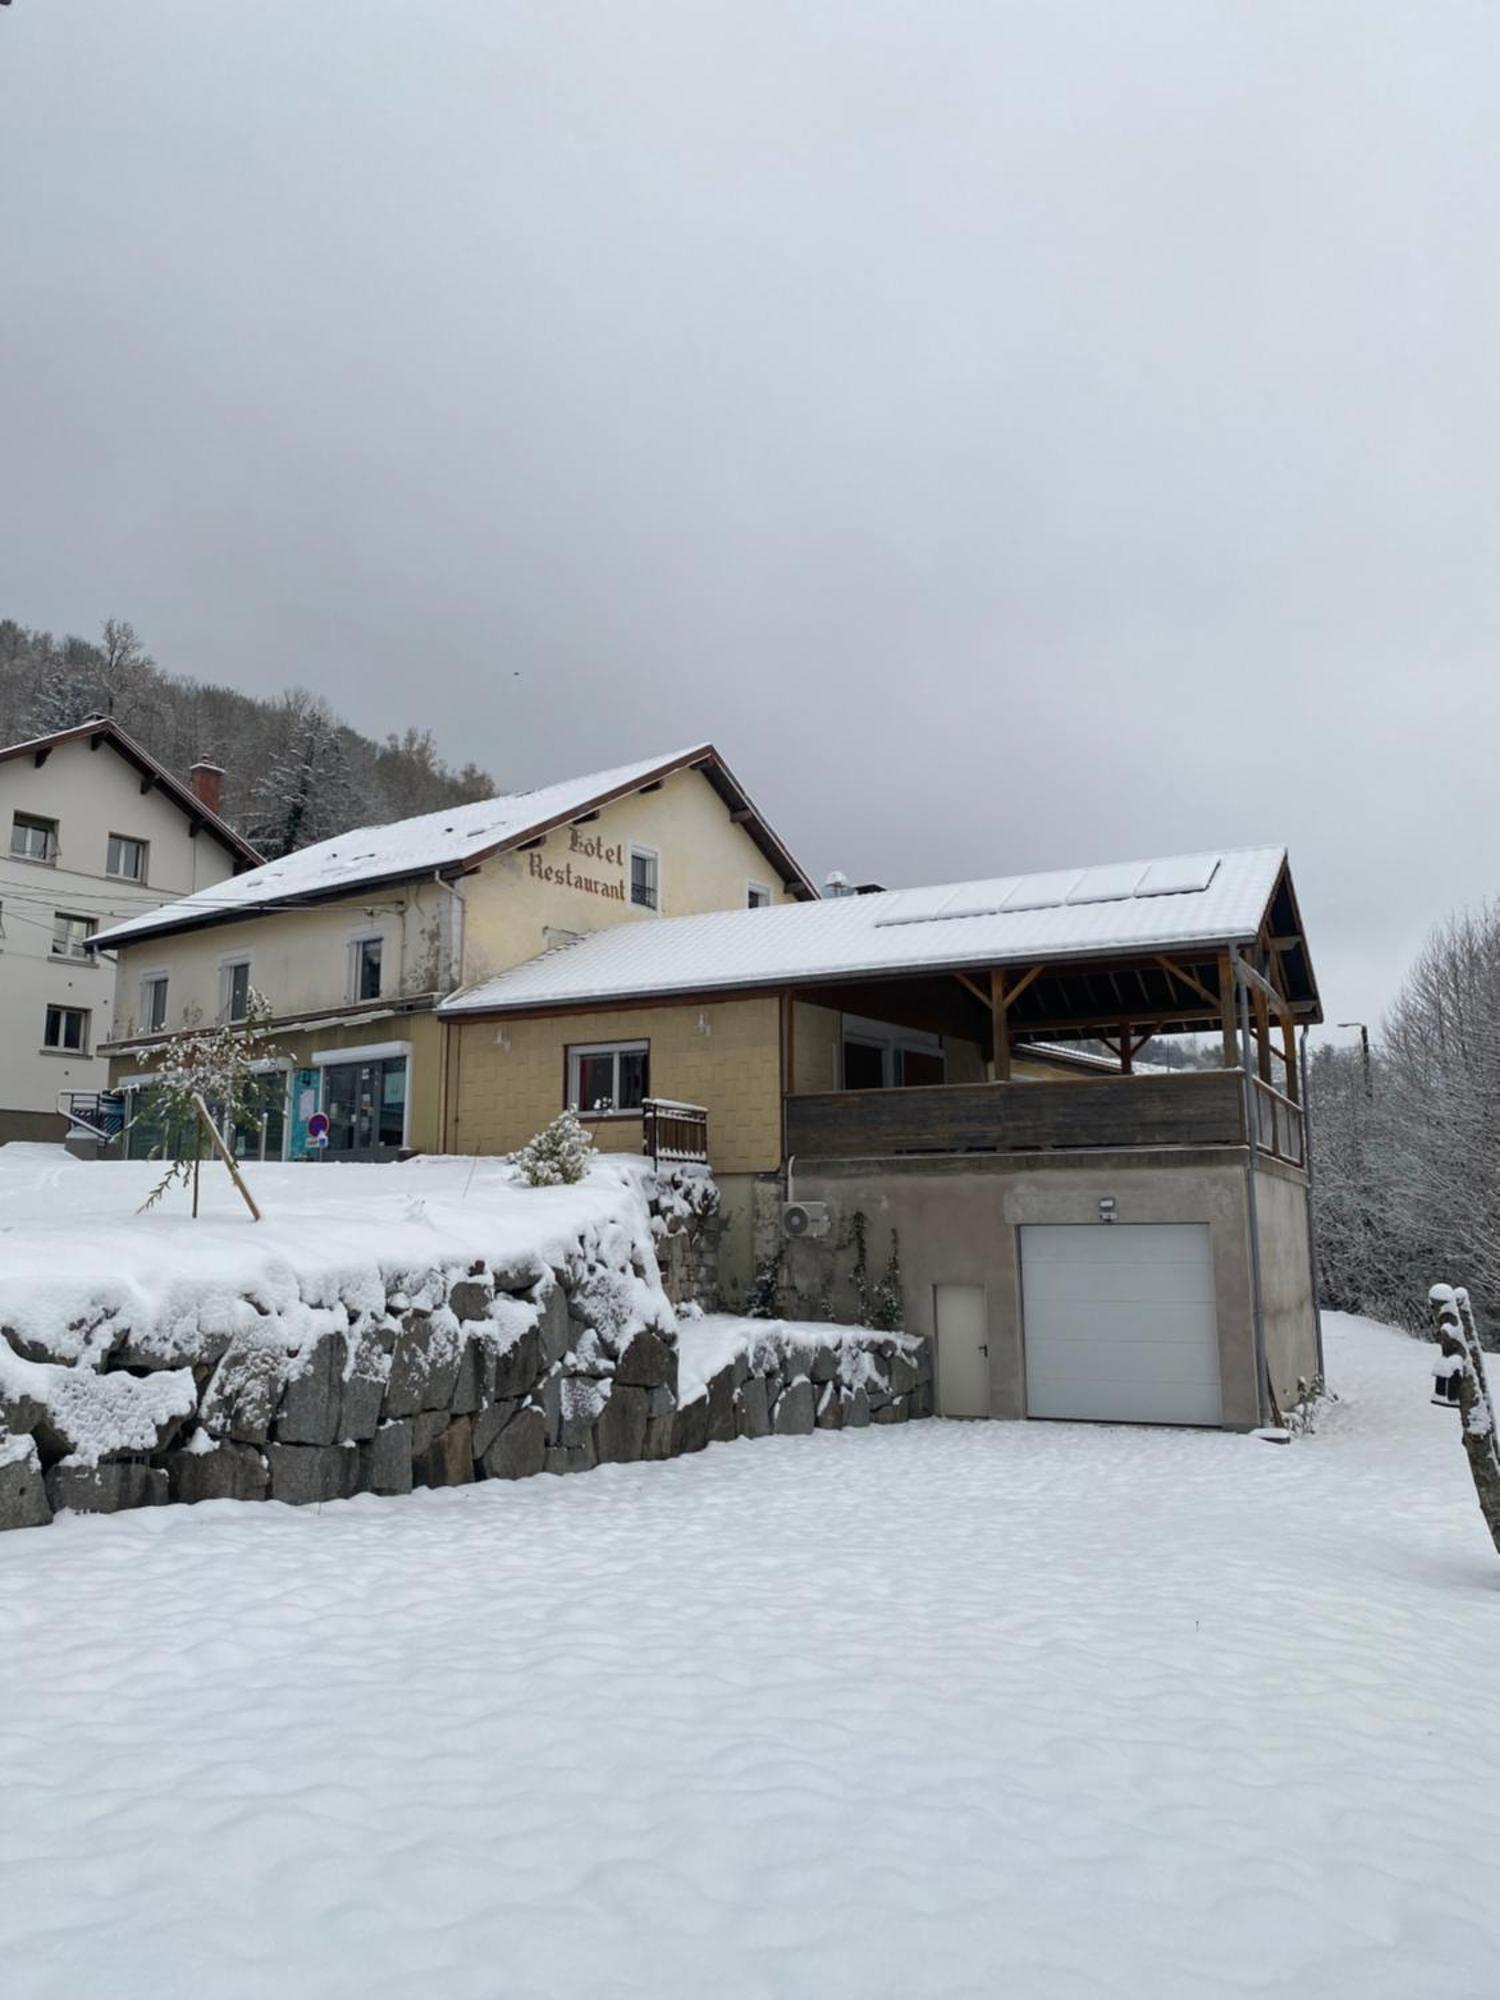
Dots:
pixel 1198 1108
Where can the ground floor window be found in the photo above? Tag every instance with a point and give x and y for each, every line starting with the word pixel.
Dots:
pixel 365 1104
pixel 605 1077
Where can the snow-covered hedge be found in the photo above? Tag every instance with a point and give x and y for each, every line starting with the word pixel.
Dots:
pixel 323 1355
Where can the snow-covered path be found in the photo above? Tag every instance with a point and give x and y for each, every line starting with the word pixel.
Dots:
pixel 1040 1711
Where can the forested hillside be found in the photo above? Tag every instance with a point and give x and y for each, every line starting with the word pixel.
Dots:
pixel 294 772
pixel 1407 1146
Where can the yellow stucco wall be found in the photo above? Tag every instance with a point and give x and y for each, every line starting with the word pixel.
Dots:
pixel 502 1091
pixel 707 863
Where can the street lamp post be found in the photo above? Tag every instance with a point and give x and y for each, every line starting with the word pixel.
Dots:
pixel 1364 1051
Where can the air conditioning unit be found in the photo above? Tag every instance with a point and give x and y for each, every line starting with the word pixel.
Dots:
pixel 805 1218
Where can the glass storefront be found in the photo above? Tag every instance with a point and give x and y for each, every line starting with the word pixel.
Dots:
pixel 366 1107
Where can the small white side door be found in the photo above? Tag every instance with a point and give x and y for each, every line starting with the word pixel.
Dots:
pixel 963 1351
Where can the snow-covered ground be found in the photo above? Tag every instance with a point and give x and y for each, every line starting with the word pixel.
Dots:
pixel 72 1236
pixel 1041 1711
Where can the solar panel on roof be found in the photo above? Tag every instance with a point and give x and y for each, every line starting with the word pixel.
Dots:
pixel 1112 884
pixel 1043 892
pixel 1187 875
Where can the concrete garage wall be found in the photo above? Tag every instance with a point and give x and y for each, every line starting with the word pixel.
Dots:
pixel 959 1219
pixel 1286 1282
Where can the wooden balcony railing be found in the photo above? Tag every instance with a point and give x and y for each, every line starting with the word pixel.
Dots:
pixel 674 1133
pixel 1279 1129
pixel 1189 1108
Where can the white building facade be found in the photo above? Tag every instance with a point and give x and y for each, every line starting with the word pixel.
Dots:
pixel 93 830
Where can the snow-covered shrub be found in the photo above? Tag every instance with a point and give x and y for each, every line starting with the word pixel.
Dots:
pixel 559 1155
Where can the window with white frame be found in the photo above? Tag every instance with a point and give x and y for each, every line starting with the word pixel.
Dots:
pixel 67 1030
pixel 608 1078
pixel 153 1003
pixel 125 858
pixel 234 989
pixel 365 956
pixel 70 934
pixel 877 1055
pixel 645 878
pixel 33 839
pixel 757 896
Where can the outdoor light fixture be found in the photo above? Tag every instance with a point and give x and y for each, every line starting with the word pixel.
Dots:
pixel 1106 1208
pixel 502 1040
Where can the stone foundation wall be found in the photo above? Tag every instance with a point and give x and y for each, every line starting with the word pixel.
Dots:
pixel 497 1370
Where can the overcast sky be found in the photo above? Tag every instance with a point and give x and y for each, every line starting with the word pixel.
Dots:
pixel 1016 434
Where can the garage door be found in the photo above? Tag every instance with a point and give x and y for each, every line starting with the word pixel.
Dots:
pixel 1120 1324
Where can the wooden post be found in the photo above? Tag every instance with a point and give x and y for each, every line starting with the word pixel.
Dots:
pixel 1127 1052
pixel 1226 1011
pixel 1289 1056
pixel 1262 1034
pixel 1458 1337
pixel 1000 1026
pixel 790 1004
pixel 225 1155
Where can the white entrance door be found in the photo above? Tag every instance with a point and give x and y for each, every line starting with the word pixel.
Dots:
pixel 1119 1323
pixel 963 1351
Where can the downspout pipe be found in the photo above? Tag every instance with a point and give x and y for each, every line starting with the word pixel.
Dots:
pixel 1252 1153
pixel 455 974
pixel 1312 1210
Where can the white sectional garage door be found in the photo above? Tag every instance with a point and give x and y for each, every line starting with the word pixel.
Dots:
pixel 1120 1324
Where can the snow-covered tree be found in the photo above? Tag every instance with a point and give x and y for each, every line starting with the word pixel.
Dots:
pixel 303 793
pixel 559 1155
pixel 218 1064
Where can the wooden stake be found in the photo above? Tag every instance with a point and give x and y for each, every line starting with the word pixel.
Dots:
pixel 225 1155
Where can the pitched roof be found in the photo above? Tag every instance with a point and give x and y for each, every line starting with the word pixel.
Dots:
pixel 104 729
pixel 1080 913
pixel 447 842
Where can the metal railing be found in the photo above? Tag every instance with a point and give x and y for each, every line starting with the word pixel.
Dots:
pixel 95 1114
pixel 675 1133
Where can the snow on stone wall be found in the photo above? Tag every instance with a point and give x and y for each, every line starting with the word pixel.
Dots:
pixel 304 1387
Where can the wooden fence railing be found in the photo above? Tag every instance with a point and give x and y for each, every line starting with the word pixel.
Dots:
pixel 672 1132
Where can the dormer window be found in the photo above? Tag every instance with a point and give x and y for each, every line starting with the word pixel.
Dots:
pixel 33 839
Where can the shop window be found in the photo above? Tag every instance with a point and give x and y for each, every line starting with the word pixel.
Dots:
pixel 33 839
pixel 67 1030
pixel 125 858
pixel 608 1078
pixel 365 956
pixel 645 878
pixel 366 1106
pixel 70 935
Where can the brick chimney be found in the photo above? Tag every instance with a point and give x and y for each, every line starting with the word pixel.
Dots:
pixel 207 781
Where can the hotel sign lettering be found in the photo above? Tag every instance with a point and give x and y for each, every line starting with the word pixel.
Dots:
pixel 588 847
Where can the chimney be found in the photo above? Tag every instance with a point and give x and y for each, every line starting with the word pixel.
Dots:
pixel 207 782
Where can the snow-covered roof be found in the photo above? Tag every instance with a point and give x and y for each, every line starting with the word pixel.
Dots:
pixel 104 729
pixel 1142 906
pixel 437 842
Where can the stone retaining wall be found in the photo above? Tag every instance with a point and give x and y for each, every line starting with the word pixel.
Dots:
pixel 493 1371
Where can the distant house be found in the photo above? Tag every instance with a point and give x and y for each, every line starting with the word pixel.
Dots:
pixel 93 832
